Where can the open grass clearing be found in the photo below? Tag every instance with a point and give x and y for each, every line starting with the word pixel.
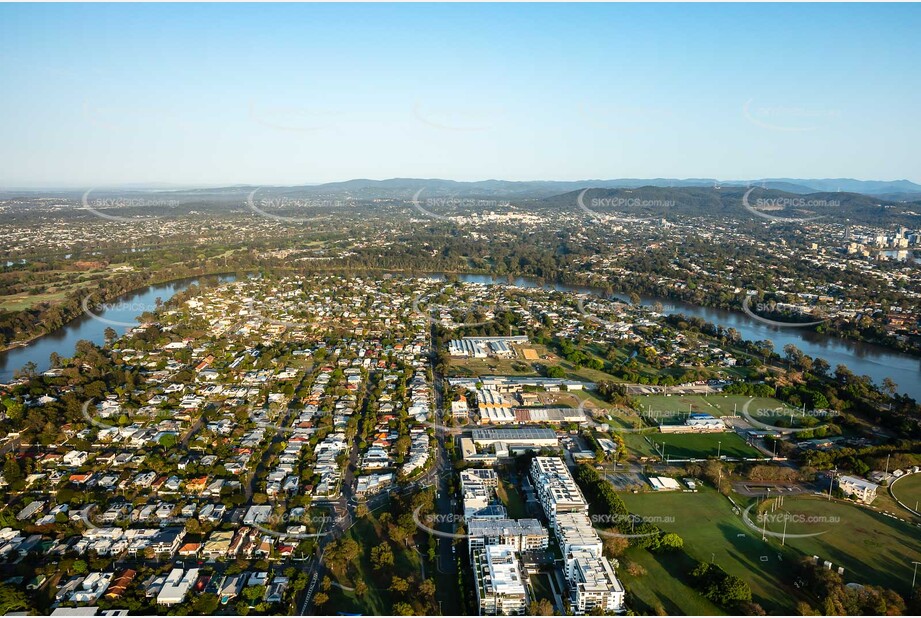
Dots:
pixel 703 445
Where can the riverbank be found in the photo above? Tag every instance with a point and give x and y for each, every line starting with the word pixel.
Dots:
pixel 875 361
pixel 84 326
pixel 33 338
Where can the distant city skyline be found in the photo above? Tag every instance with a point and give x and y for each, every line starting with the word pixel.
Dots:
pixel 216 95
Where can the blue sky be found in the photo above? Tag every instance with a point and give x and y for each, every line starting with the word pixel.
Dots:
pixel 286 94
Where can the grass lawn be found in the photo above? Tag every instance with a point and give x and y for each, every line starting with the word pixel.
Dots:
pixel 489 366
pixel 712 532
pixel 717 405
pixel 663 586
pixel 18 302
pixel 908 490
pixel 540 586
pixel 871 547
pixel 378 600
pixel 620 417
pixel 637 446
pixel 703 445
pixel 512 500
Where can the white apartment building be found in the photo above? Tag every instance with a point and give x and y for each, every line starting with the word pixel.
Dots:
pixel 520 534
pixel 593 584
pixel 556 489
pixel 575 533
pixel 500 587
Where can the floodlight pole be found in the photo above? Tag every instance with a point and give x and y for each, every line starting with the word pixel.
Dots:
pixel 913 578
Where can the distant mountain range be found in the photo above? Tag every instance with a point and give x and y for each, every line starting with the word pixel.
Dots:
pixel 537 189
pixel 896 202
pixel 396 188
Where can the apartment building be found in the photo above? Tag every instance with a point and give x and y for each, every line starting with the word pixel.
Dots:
pixel 520 534
pixel 592 584
pixel 500 587
pixel 556 489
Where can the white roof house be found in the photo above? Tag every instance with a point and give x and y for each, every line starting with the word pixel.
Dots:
pixel 177 585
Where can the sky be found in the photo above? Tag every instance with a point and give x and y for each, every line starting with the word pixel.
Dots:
pixel 197 95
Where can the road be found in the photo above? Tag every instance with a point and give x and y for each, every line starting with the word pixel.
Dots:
pixel 276 438
pixel 344 510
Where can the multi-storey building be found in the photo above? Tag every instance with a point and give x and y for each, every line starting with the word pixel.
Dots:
pixel 520 534
pixel 500 587
pixel 592 583
pixel 556 489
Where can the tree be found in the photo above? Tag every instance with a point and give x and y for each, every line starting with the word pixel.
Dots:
pixel 253 593
pixel 168 440
pixel 427 589
pixel 671 542
pixel 402 609
pixel 381 556
pixel 320 599
pixel 890 387
pixel 541 608
pixel 80 567
pixel 12 599
pixel 398 584
pixel 326 584
pixel 12 471
pixel 205 604
pixel 615 546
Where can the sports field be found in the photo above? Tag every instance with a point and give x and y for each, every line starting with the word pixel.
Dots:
pixel 872 548
pixel 703 445
pixel 908 490
pixel 712 532
pixel 718 405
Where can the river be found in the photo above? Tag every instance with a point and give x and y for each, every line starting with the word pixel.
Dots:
pixel 119 314
pixel 861 358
